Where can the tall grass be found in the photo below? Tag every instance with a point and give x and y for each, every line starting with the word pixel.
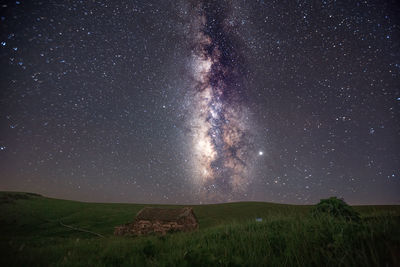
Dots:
pixel 275 242
pixel 30 235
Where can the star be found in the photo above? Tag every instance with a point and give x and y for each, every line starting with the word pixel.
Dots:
pixel 185 97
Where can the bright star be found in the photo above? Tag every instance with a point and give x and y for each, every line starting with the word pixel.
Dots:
pixel 260 153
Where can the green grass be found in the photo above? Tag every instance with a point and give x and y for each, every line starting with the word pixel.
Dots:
pixel 31 235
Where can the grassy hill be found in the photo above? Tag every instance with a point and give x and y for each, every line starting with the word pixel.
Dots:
pixel 32 234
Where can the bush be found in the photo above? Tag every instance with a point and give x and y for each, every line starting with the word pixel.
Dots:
pixel 336 208
pixel 199 257
pixel 149 249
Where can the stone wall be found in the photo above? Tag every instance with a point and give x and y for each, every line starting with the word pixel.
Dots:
pixel 144 227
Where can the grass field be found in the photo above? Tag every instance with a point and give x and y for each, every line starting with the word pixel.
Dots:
pixel 32 234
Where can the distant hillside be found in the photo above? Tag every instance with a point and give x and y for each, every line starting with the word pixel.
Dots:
pixel 29 208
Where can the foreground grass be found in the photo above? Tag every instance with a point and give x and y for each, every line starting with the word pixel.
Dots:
pixel 32 236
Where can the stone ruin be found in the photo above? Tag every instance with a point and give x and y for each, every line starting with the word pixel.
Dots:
pixel 159 221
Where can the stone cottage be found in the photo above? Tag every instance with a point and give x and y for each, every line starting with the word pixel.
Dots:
pixel 159 221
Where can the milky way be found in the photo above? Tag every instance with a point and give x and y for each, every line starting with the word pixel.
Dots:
pixel 219 121
pixel 189 101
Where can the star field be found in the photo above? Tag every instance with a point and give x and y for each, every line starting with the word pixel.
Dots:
pixel 99 100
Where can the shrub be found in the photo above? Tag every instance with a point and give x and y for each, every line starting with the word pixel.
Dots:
pixel 336 208
pixel 149 249
pixel 199 257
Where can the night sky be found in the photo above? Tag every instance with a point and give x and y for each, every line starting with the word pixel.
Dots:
pixel 201 101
